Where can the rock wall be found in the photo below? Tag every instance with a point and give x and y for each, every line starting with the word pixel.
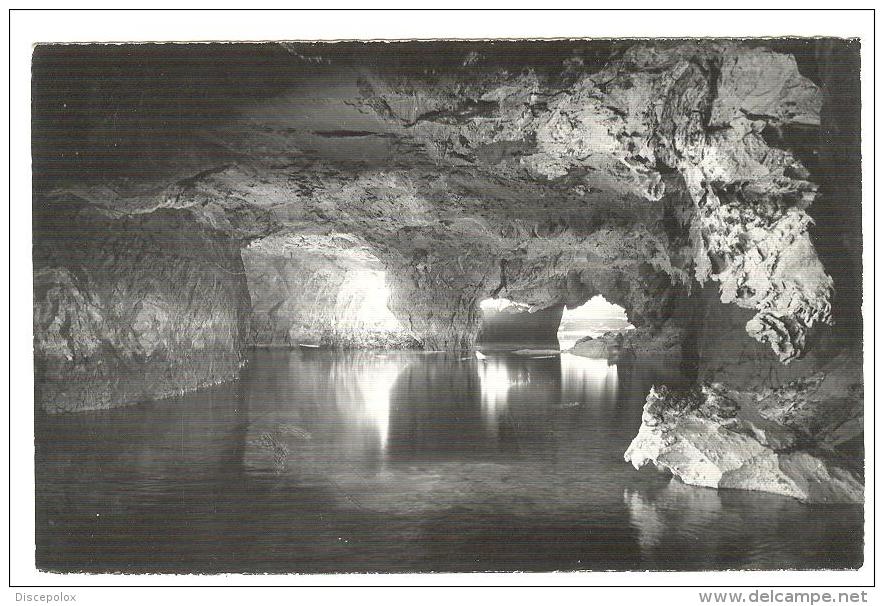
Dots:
pixel 439 306
pixel 831 370
pixel 837 232
pixel 699 111
pixel 797 392
pixel 723 357
pixel 521 326
pixel 132 309
pixel 309 299
pixel 756 423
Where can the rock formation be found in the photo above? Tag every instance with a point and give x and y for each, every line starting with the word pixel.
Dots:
pixel 134 308
pixel 722 438
pixel 319 291
pixel 516 324
pixel 677 179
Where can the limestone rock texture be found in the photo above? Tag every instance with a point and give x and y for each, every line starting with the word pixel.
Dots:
pixel 642 171
pixel 134 309
pixel 757 423
pixel 722 438
pixel 319 291
pixel 701 185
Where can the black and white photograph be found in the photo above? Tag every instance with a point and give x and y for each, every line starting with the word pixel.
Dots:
pixel 319 307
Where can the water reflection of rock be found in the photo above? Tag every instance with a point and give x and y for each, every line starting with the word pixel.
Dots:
pixel 197 480
pixel 518 393
pixel 434 409
pixel 381 427
pixel 733 528
pixel 498 403
pixel 148 446
pixel 676 506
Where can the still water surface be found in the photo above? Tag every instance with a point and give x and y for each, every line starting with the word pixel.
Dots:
pixel 319 461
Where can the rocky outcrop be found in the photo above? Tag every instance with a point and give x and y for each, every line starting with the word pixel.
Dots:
pixel 792 429
pixel 780 276
pixel 831 371
pixel 127 310
pixel 723 438
pixel 667 341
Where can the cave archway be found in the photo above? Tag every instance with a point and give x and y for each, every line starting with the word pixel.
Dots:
pixel 544 210
pixel 592 319
pixel 510 323
pixel 507 322
pixel 328 291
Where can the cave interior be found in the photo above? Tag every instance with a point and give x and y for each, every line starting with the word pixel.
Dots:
pixel 194 201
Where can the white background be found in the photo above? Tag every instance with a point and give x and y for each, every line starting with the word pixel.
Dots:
pixel 30 27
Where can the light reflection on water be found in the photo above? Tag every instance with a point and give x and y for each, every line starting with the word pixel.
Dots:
pixel 582 376
pixel 494 377
pixel 346 461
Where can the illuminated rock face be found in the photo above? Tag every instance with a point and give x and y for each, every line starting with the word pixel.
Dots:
pixel 320 292
pixel 476 180
pixel 696 111
pixel 666 177
pixel 722 438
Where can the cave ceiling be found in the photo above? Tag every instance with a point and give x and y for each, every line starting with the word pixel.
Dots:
pixel 502 168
